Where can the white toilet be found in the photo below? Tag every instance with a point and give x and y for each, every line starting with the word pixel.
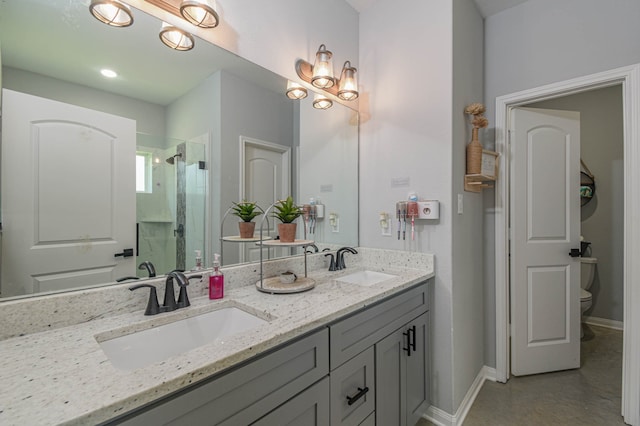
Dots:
pixel 587 275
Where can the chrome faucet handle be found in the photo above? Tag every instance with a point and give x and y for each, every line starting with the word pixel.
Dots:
pixel 152 305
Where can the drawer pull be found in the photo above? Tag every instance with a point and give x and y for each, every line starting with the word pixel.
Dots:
pixel 361 392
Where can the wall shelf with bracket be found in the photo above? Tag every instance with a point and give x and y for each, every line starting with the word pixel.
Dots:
pixel 476 183
pixel 488 173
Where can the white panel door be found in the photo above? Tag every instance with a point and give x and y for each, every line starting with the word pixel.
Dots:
pixel 68 195
pixel 266 180
pixel 545 226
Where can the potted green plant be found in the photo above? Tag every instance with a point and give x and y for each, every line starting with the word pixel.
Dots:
pixel 246 210
pixel 286 212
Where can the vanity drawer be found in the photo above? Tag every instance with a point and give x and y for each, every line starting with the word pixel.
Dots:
pixel 361 330
pixel 245 394
pixel 311 407
pixel 353 390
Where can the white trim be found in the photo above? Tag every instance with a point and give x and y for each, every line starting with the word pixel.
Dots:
pixel 604 322
pixel 629 77
pixel 442 418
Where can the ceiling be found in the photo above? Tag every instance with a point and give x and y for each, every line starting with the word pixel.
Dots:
pixel 486 7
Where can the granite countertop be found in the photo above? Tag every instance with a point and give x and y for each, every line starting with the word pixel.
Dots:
pixel 62 376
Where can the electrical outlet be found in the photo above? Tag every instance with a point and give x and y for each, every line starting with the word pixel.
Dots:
pixel 460 204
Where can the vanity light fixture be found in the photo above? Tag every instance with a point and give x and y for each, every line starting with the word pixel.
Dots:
pixel 321 102
pixel 296 91
pixel 200 13
pixel 321 76
pixel 111 12
pixel 175 38
pixel 348 84
pixel 323 69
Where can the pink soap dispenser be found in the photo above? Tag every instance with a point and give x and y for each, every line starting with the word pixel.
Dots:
pixel 216 280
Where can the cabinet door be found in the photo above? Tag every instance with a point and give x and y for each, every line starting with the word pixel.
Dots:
pixel 417 371
pixel 390 369
pixel 309 408
pixel 401 374
pixel 353 389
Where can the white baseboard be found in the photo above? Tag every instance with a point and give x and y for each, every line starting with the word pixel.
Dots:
pixel 604 322
pixel 442 418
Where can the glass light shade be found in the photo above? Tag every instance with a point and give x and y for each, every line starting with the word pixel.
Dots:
pixel 175 38
pixel 323 69
pixel 111 12
pixel 295 91
pixel 348 87
pixel 200 13
pixel 322 102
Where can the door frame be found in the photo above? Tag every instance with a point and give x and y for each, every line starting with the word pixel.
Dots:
pixel 284 150
pixel 629 78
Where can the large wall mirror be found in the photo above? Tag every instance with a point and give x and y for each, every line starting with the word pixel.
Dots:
pixel 99 175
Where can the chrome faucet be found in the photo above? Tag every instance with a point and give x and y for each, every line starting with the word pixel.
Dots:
pixel 340 257
pixel 151 270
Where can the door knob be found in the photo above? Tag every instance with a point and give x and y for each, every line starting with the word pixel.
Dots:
pixel 575 253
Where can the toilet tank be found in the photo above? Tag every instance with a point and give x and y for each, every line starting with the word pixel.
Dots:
pixel 587 271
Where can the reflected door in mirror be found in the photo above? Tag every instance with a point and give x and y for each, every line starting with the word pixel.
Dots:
pixel 68 195
pixel 267 171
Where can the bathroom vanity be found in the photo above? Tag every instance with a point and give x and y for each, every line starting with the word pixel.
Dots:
pixel 341 353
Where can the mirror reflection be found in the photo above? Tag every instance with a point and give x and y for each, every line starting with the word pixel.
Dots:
pixel 100 175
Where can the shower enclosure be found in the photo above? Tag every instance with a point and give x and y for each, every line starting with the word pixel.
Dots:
pixel 171 204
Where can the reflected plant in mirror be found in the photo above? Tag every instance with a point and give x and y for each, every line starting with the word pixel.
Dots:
pixel 149 163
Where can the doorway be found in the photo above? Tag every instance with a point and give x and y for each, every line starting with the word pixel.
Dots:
pixel 265 177
pixel 629 79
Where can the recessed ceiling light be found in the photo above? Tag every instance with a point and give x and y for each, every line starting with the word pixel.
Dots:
pixel 108 73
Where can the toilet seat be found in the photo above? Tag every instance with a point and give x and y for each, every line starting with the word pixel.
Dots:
pixel 585 295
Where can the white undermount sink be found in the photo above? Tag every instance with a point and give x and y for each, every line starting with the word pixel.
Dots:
pixel 365 278
pixel 155 344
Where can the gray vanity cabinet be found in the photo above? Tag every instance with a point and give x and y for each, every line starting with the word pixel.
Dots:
pixel 356 371
pixel 246 394
pixel 383 350
pixel 401 363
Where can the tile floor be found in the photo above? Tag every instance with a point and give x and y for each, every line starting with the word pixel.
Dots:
pixel 588 396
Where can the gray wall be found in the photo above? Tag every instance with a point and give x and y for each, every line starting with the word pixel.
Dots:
pixel 468 312
pixel 546 41
pixel 601 148
pixel 328 156
pixel 413 127
pixel 149 117
pixel 194 114
pixel 253 112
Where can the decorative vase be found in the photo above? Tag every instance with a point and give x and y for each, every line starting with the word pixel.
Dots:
pixel 287 232
pixel 474 154
pixel 246 229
